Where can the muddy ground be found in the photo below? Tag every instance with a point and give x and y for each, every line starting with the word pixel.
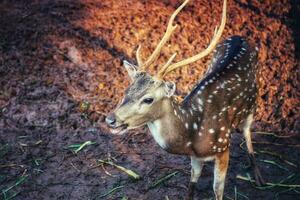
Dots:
pixel 60 73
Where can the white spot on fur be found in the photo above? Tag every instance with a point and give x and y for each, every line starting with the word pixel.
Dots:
pixel 191 111
pixel 200 101
pixel 188 144
pixel 222 85
pixel 186 125
pixel 195 126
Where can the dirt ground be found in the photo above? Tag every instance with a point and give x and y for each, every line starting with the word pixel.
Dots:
pixel 60 73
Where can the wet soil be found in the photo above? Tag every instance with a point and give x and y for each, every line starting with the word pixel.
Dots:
pixel 61 72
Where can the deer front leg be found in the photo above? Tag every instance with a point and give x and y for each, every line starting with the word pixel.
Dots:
pixel 196 169
pixel 221 165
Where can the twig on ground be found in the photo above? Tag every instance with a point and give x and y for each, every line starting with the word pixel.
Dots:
pixel 11 165
pixel 129 172
pixel 105 171
pixel 163 179
pixel 271 185
pixel 274 163
pixel 235 193
pixel 75 167
pixel 280 157
pixel 79 147
pixel 242 143
pixel 18 182
pixel 274 134
pixel 277 144
pixel 174 168
pixel 110 191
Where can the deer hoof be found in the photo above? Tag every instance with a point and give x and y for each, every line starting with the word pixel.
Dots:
pixel 190 194
pixel 259 181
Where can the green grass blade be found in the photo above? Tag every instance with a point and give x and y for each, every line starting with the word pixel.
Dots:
pixel 129 172
pixel 271 185
pixel 18 182
pixel 275 164
pixel 112 191
pixel 163 179
pixel 78 147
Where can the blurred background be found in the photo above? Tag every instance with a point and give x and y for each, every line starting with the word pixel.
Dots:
pixel 61 72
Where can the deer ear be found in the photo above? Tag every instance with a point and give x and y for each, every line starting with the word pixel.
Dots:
pixel 170 88
pixel 131 69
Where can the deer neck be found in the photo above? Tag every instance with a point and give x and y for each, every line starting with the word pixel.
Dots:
pixel 172 131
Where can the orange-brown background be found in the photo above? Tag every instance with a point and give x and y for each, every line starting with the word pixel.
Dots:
pixel 80 47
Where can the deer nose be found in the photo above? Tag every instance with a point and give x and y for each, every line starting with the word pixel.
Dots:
pixel 111 120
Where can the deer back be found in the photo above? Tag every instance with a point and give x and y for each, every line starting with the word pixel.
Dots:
pixel 225 96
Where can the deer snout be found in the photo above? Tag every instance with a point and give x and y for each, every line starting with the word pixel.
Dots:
pixel 111 120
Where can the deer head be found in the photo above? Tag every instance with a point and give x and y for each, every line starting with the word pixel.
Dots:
pixel 142 102
pixel 146 98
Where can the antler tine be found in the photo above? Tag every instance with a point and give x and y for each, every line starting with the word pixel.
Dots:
pixel 170 29
pixel 210 47
pixel 138 56
pixel 215 32
pixel 162 71
pixel 160 74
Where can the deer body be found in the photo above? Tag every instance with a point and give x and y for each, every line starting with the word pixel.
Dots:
pixel 200 126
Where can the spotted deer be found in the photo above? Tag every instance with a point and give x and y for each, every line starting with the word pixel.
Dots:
pixel 200 126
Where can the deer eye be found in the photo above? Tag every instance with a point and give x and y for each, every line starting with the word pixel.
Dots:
pixel 148 100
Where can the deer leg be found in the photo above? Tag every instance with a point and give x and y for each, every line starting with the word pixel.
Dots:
pixel 221 165
pixel 259 181
pixel 196 169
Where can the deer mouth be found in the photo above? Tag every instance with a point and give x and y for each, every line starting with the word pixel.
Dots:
pixel 119 130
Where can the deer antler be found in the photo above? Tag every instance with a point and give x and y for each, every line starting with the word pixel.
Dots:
pixel 138 56
pixel 155 53
pixel 217 35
